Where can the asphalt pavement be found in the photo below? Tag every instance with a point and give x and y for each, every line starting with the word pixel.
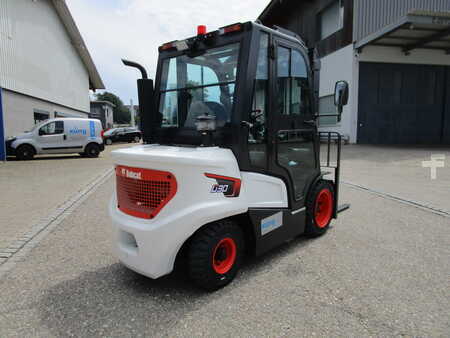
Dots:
pixel 399 171
pixel 30 190
pixel 381 270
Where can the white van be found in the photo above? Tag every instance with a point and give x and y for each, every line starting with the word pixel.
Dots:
pixel 59 136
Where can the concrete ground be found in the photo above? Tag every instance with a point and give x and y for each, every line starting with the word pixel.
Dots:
pixel 381 270
pixel 398 171
pixel 31 189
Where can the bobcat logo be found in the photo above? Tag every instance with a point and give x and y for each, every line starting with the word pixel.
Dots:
pixel 131 174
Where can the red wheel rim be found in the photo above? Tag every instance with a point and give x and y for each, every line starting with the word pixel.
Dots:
pixel 324 208
pixel 224 255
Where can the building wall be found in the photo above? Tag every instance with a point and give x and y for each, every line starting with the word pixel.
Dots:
pixel 109 117
pixel 20 111
pixel 37 57
pixel 341 65
pixel 103 112
pixel 372 15
pixel 302 17
pixel 395 55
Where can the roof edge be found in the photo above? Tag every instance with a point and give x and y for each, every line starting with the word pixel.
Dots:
pixel 272 4
pixel 104 102
pixel 95 81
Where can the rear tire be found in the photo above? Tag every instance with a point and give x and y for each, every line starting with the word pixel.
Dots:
pixel 320 208
pixel 25 152
pixel 92 150
pixel 215 255
pixel 137 139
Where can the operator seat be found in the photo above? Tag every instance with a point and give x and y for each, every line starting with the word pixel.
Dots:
pixel 198 108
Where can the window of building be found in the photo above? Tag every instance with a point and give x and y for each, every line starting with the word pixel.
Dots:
pixel 40 115
pixel 52 128
pixel 331 19
pixel 292 82
pixel 327 107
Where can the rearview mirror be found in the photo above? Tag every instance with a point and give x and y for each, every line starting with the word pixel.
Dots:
pixel 340 96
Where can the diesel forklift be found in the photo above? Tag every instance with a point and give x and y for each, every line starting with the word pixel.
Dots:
pixel 231 161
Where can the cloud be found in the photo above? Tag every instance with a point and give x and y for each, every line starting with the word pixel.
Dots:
pixel 134 29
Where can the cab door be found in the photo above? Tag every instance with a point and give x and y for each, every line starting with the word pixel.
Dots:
pixel 293 134
pixel 51 137
pixel 282 137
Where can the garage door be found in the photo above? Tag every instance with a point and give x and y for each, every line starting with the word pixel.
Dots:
pixel 404 104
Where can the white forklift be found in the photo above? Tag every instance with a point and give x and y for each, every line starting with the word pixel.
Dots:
pixel 231 158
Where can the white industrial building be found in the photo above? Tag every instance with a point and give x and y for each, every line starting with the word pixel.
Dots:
pixel 395 54
pixel 45 68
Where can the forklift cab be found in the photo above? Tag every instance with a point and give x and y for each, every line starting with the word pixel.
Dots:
pixel 257 85
pixel 231 148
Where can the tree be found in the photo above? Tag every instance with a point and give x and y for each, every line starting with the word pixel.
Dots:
pixel 121 114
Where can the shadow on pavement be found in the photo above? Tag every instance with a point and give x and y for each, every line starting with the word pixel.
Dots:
pixel 117 301
pixel 39 158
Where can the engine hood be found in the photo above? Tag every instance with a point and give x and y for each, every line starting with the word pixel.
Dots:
pixel 24 135
pixel 167 157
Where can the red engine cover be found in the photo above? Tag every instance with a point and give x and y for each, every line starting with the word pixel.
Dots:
pixel 143 192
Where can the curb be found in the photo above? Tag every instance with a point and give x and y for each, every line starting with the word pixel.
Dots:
pixel 18 249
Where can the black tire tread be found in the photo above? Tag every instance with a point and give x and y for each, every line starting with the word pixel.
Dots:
pixel 19 154
pixel 199 253
pixel 87 150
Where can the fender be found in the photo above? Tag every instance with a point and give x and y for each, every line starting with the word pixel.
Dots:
pixel 17 143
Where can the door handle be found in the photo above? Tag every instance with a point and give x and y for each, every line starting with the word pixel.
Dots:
pixel 246 124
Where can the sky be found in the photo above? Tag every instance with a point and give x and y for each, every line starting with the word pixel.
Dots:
pixel 134 29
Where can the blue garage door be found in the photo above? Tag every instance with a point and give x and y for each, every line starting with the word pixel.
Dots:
pixel 404 104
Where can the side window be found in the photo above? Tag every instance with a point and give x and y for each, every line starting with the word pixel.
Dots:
pixel 283 79
pixel 293 87
pixel 327 107
pixel 258 115
pixel 52 128
pixel 296 154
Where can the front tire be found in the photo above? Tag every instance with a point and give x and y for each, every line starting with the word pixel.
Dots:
pixel 92 150
pixel 320 208
pixel 108 141
pixel 137 139
pixel 215 255
pixel 25 152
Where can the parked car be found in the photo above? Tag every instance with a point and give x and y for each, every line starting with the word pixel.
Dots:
pixel 122 135
pixel 58 136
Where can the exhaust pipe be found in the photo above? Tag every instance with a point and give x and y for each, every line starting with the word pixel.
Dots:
pixel 147 116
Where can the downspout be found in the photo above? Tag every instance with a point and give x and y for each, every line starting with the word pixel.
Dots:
pixel 2 131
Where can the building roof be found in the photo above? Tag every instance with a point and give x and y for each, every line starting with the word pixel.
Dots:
pixel 417 29
pixel 95 81
pixel 273 6
pixel 103 102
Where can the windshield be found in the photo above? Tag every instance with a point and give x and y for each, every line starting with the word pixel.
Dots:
pixel 109 132
pixel 37 126
pixel 193 86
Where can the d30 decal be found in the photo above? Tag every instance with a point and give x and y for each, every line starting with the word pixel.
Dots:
pixel 228 186
pixel 219 188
